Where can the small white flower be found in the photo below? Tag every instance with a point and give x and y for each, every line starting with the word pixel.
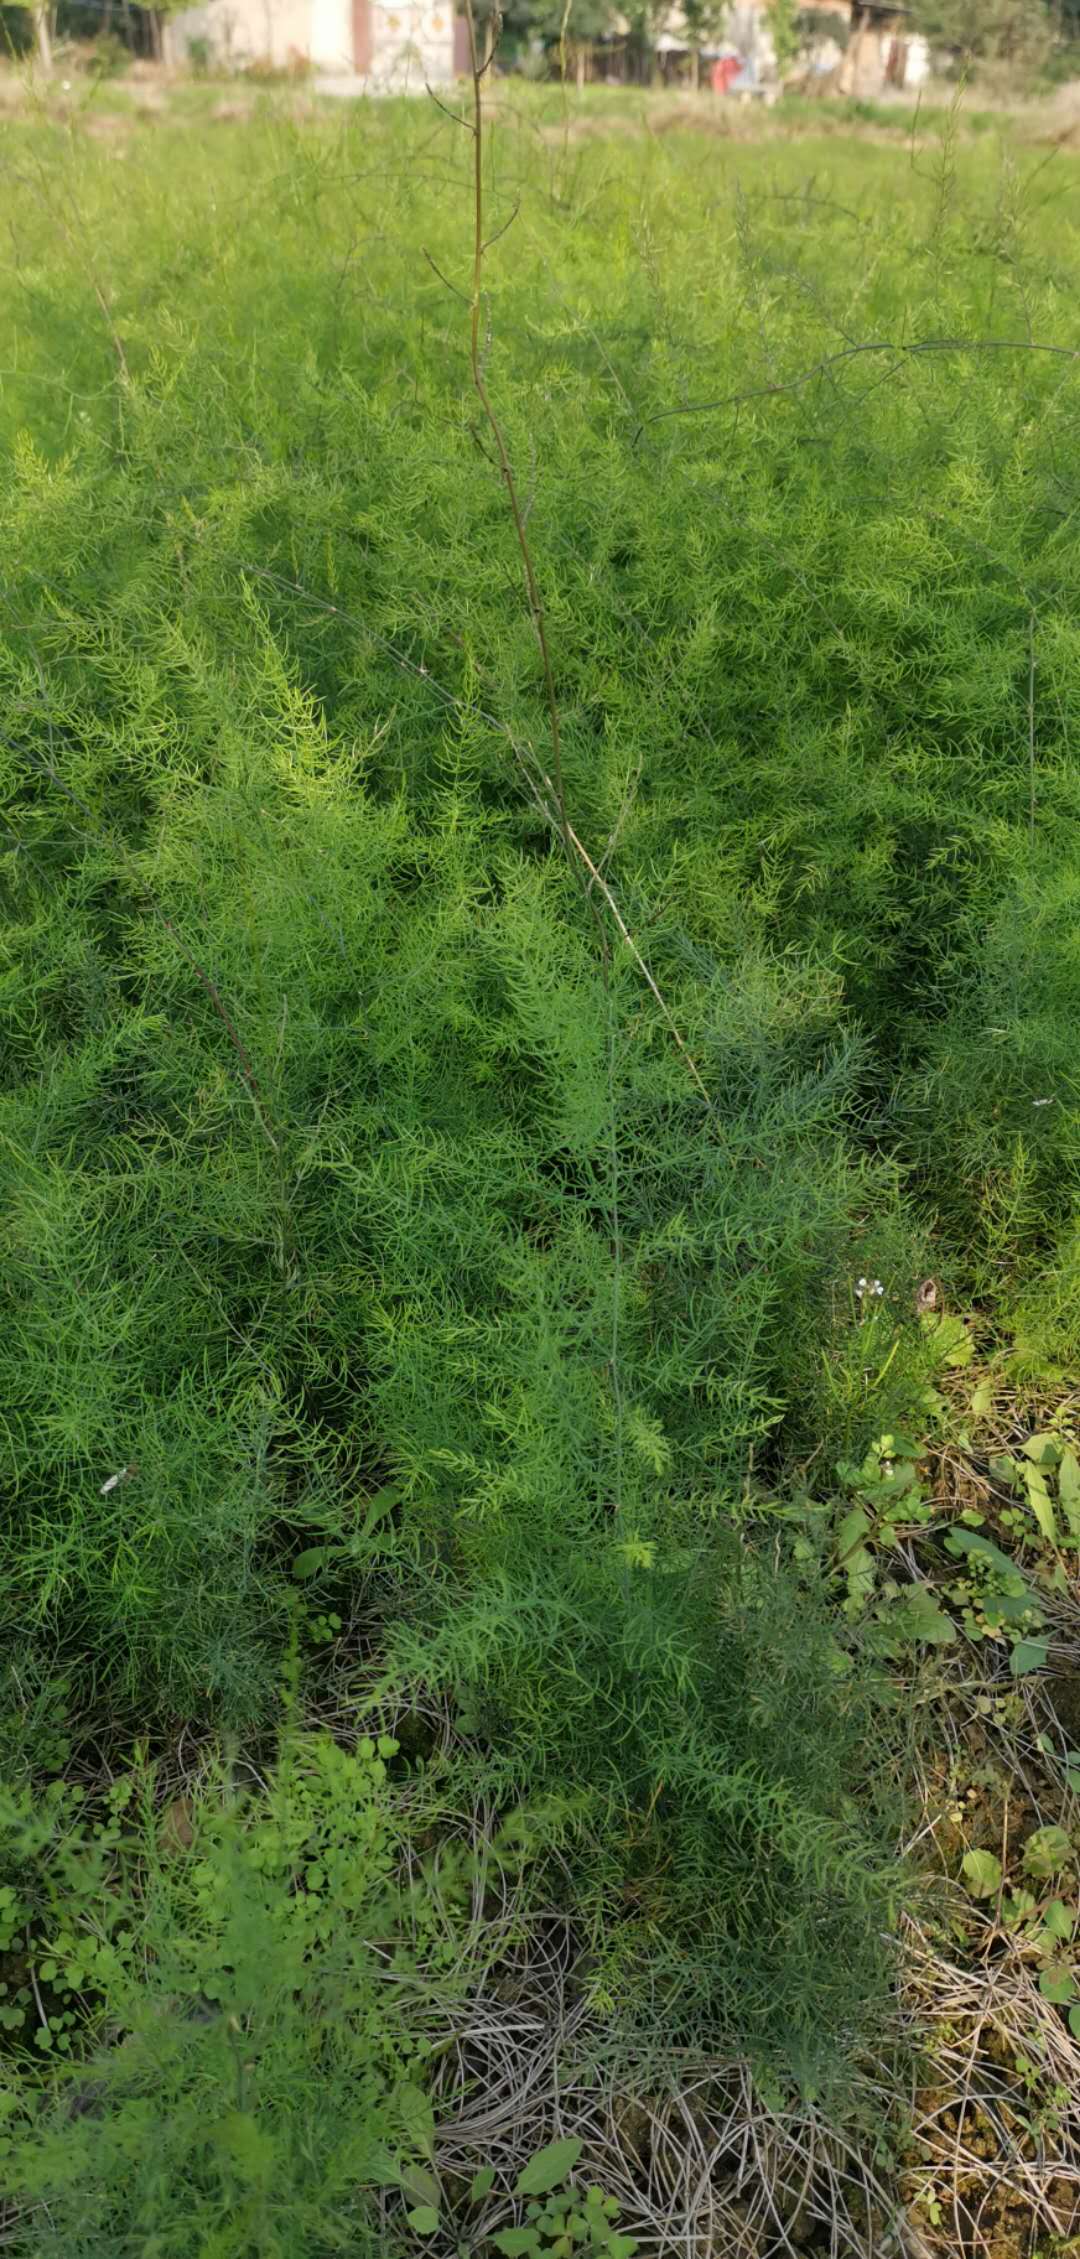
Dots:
pixel 125 1475
pixel 1042 1101
pixel 65 86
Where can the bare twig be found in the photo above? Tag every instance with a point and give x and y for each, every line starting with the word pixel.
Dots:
pixel 531 495
pixel 38 2002
pixel 453 115
pixel 600 882
pixel 505 228
pixel 445 279
pixel 803 198
pixel 853 352
pixel 622 815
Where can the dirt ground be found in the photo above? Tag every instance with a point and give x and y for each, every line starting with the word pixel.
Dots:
pixel 148 92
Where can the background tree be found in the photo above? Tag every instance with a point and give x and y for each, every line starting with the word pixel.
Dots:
pixel 26 28
pixel 576 25
pixel 566 30
pixel 42 36
pixel 705 23
pixel 1004 30
pixel 784 31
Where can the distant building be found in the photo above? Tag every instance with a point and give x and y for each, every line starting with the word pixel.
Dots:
pixel 389 45
pixel 884 49
pixel 851 46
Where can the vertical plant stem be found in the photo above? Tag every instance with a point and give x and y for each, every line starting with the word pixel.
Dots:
pixel 617 1253
pixel 43 39
pixel 479 65
pixel 580 862
pixel 563 96
pixel 575 854
pixel 1031 723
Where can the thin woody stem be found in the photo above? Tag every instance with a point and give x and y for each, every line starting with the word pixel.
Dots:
pixel 585 870
pixel 478 67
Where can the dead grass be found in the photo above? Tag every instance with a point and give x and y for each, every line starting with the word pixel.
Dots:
pixel 703 2167
pixel 993 2163
pixel 995 2141
pixel 985 2164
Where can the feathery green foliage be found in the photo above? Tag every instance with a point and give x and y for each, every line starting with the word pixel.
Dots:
pixel 221 2072
pixel 366 1233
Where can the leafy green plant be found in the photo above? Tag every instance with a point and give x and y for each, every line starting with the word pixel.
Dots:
pixel 223 2065
pixel 560 2218
pixel 110 56
pixel 1046 1851
pixel 369 1242
pixel 570 2220
pixel 1046 1471
pixel 982 1873
pixel 994 1598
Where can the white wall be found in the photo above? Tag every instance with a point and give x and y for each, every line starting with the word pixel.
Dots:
pixel 274 31
pixel 411 40
pixel 917 63
pixel 332 34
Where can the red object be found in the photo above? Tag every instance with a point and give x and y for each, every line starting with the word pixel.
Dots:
pixel 725 68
